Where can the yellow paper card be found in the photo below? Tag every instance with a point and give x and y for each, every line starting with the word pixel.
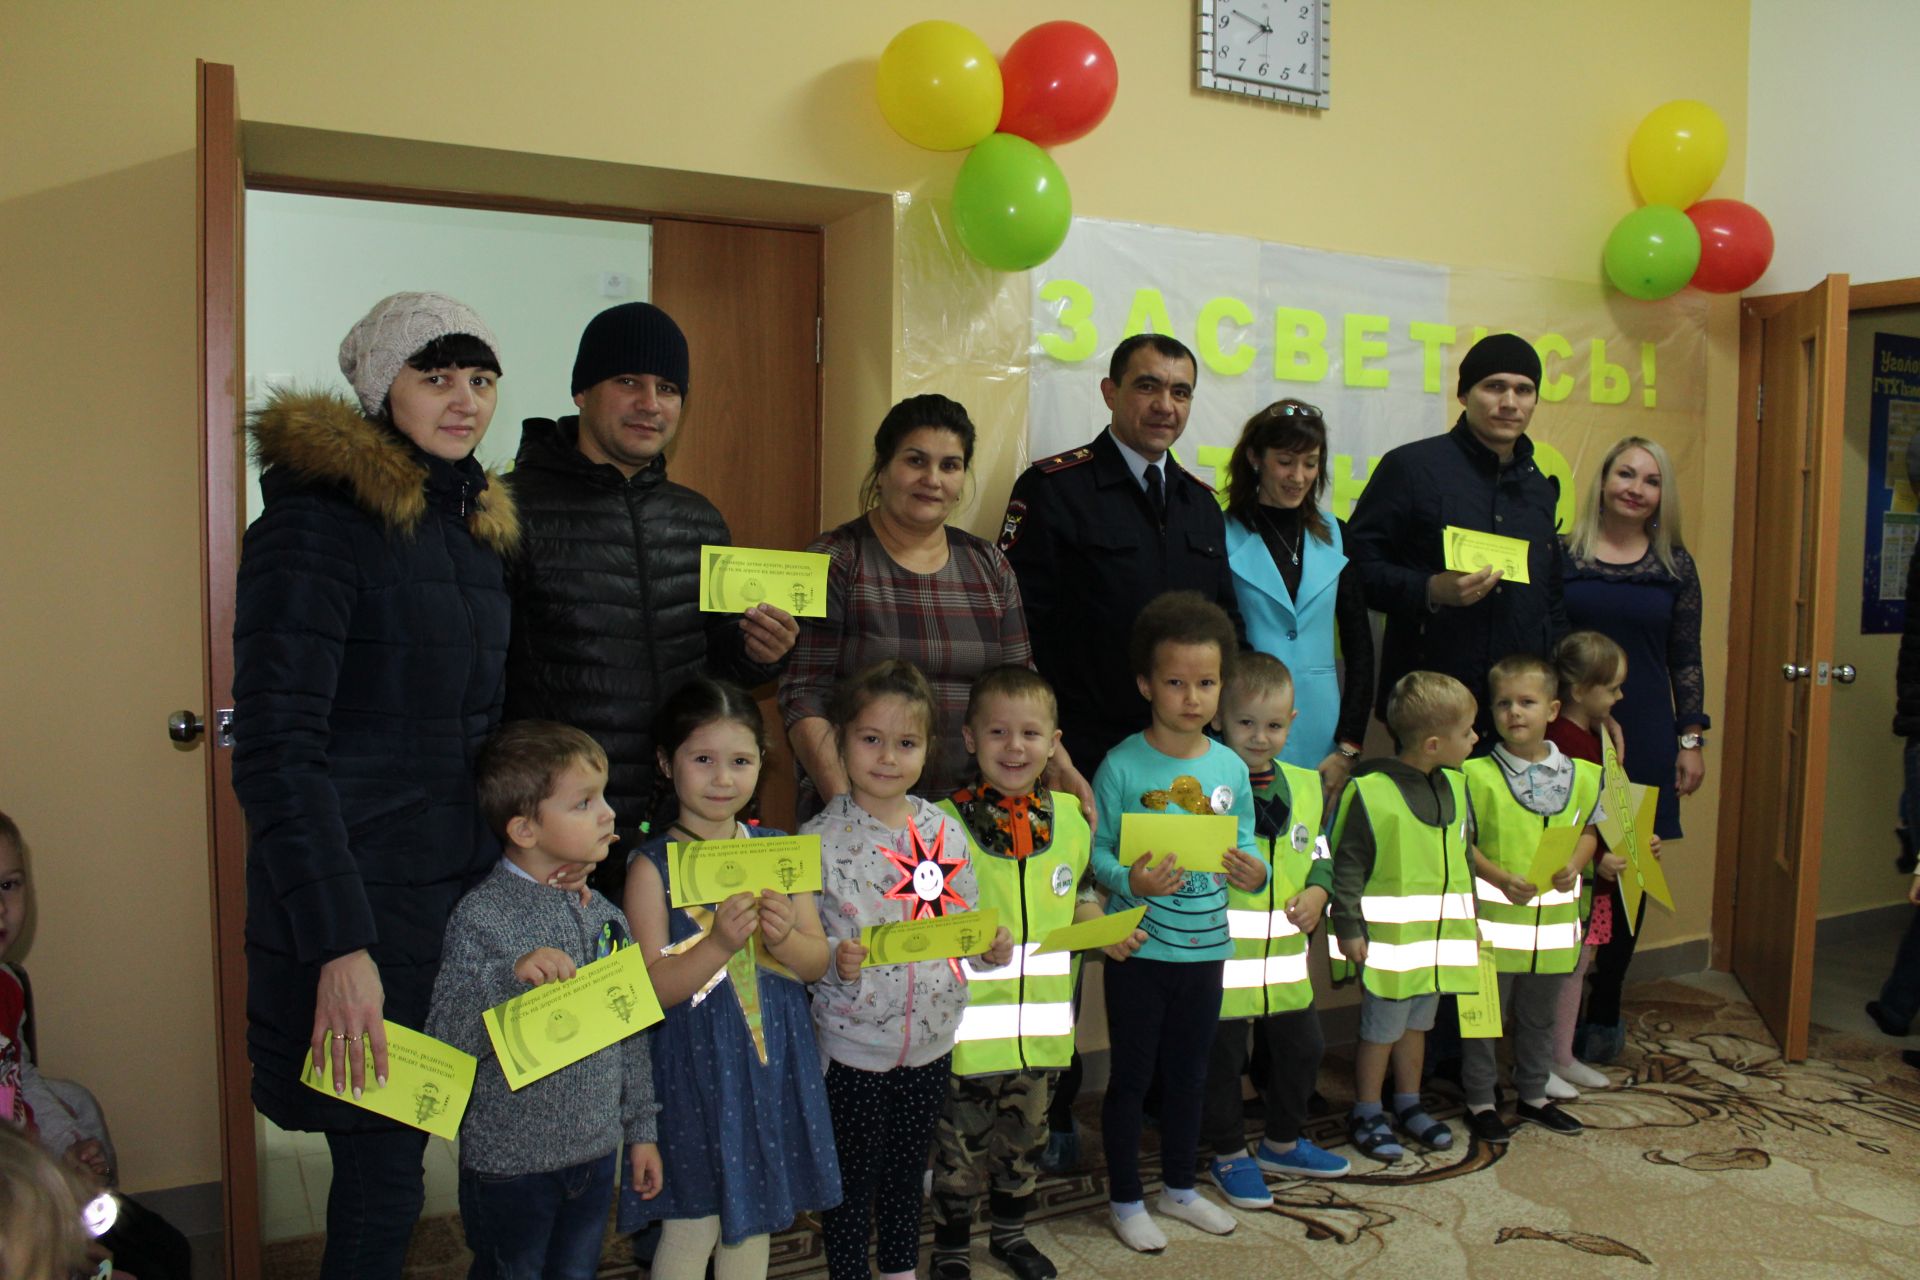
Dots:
pixel 734 579
pixel 1088 934
pixel 558 1023
pixel 1555 851
pixel 935 938
pixel 1199 840
pixel 1651 876
pixel 714 870
pixel 428 1082
pixel 1480 1011
pixel 1629 821
pixel 1469 551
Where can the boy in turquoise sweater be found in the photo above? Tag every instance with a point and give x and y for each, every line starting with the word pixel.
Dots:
pixel 1164 1001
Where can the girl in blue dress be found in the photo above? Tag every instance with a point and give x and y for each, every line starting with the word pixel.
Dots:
pixel 746 1140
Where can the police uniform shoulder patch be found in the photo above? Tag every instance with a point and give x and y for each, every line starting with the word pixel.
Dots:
pixel 1010 524
pixel 1061 461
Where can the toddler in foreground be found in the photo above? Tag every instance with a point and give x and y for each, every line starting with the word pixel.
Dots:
pixel 537 1163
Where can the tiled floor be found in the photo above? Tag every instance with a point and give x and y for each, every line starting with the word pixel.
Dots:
pixel 1848 967
pixel 295 1172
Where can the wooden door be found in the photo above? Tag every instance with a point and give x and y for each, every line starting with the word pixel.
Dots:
pixel 1778 689
pixel 222 203
pixel 749 301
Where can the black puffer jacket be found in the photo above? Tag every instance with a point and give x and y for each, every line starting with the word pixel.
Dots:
pixel 369 649
pixel 606 604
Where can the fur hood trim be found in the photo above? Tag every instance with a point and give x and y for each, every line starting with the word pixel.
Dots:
pixel 322 436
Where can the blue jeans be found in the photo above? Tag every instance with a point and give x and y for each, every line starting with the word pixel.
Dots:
pixel 378 1187
pixel 538 1225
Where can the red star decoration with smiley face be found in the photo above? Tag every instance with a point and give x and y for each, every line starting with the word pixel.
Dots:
pixel 926 876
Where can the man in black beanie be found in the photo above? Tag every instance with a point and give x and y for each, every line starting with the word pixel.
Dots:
pixel 1480 476
pixel 606 613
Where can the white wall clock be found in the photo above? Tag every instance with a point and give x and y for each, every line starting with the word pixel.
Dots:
pixel 1272 49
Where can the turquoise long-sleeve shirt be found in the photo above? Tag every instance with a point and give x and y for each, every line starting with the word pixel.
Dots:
pixel 1191 923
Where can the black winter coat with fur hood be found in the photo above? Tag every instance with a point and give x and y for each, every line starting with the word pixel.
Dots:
pixel 370 645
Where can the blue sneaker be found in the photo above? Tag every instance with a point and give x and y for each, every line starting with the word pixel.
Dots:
pixel 1063 1152
pixel 1240 1182
pixel 1304 1161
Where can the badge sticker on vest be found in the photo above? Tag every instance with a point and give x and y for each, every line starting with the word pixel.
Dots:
pixel 1301 837
pixel 1062 880
pixel 1222 799
pixel 1320 849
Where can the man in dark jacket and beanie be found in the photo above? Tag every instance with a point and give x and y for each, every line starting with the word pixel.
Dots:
pixel 606 611
pixel 1478 476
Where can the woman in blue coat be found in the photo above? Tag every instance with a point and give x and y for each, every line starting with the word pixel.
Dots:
pixel 370 641
pixel 1286 556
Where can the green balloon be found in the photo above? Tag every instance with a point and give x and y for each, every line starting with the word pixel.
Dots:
pixel 1011 206
pixel 1653 252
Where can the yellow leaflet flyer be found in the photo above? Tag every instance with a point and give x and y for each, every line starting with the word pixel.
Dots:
pixel 934 938
pixel 735 579
pixel 1088 934
pixel 714 870
pixel 1199 840
pixel 428 1082
pixel 1469 551
pixel 558 1023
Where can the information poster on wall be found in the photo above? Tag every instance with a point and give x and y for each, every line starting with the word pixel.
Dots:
pixel 1893 511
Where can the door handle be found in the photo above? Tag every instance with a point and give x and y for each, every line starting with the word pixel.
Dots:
pixel 185 726
pixel 1792 673
pixel 1845 673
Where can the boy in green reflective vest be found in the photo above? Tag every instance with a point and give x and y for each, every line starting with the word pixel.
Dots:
pixel 1266 987
pixel 1524 787
pixel 1029 848
pixel 1403 901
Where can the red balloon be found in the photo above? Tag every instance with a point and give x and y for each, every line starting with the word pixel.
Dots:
pixel 1736 244
pixel 1058 80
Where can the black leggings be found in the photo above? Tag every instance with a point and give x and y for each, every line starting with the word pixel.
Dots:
pixel 1159 1014
pixel 1610 962
pixel 882 1125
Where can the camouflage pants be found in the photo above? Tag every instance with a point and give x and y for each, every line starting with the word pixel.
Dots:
pixel 990 1137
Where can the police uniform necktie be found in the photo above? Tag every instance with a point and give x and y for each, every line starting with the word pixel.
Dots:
pixel 1156 494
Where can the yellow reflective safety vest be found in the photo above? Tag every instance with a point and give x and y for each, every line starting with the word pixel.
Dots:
pixel 1267 972
pixel 1418 901
pixel 1020 1016
pixel 1542 936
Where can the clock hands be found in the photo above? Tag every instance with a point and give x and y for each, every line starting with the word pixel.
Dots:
pixel 1265 30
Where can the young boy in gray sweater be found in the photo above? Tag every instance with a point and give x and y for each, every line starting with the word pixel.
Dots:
pixel 538 1165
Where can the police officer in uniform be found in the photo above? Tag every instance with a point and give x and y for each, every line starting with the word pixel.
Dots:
pixel 1093 534
pixel 1096 532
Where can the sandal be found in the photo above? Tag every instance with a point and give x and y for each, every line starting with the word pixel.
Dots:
pixel 1424 1129
pixel 1373 1137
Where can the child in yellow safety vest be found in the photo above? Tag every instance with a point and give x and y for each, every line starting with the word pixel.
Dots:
pixel 1403 902
pixel 1525 787
pixel 1267 992
pixel 1029 849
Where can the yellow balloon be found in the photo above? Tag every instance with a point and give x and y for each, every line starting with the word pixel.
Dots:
pixel 1677 152
pixel 939 86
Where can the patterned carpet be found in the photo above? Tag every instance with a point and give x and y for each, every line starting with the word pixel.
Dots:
pixel 1711 1158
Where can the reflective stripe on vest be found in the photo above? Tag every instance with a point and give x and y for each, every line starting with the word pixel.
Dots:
pixel 1418 900
pixel 1541 935
pixel 1019 1016
pixel 1267 972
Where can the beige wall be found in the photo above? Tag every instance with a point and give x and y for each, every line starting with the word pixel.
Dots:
pixel 1490 134
pixel 1863 769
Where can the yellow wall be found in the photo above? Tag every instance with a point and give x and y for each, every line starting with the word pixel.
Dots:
pixel 1863 769
pixel 1487 134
